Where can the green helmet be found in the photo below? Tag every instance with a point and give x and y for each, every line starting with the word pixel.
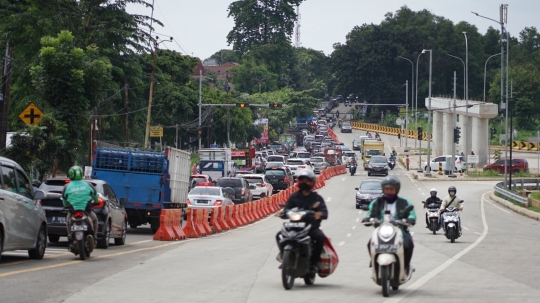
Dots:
pixel 75 173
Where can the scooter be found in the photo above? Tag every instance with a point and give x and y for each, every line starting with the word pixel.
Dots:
pixel 387 252
pixel 82 236
pixel 295 243
pixel 352 169
pixel 451 223
pixel 433 215
pixel 392 163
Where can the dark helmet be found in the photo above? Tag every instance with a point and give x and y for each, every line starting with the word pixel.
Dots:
pixel 75 173
pixel 391 181
pixel 452 188
pixel 309 174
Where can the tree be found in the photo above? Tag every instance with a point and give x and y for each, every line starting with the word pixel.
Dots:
pixel 224 56
pixel 258 22
pixel 252 78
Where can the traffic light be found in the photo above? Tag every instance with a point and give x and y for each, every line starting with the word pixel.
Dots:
pixel 457 134
pixel 275 105
pixel 199 131
pixel 242 104
pixel 420 133
pixel 492 133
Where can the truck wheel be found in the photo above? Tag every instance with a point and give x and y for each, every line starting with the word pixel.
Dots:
pixel 154 225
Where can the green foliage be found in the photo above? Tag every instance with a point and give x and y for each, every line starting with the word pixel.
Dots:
pixel 484 173
pixel 251 78
pixel 389 120
pixel 224 56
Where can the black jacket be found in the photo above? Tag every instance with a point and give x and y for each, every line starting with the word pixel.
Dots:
pixel 431 200
pixel 297 199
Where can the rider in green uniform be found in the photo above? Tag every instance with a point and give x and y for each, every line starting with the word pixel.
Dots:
pixel 78 195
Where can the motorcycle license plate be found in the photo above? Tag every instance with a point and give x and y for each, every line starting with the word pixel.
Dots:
pixel 79 227
pixel 58 220
pixel 295 224
pixel 386 248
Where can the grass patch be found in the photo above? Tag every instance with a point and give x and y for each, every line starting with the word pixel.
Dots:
pixel 535 195
pixel 532 208
pixel 485 173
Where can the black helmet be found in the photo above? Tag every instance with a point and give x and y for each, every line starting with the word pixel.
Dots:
pixel 309 174
pixel 391 181
pixel 452 188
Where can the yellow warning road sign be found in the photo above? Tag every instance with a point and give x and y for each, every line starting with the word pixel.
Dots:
pixel 31 115
pixel 156 131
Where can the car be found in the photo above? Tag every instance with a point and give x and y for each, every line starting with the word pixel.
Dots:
pixel 297 164
pixel 260 163
pixel 23 223
pixel 518 164
pixel 198 179
pixel 368 190
pixel 460 164
pixel 319 164
pixel 242 192
pixel 260 185
pixel 110 211
pixel 280 178
pixel 318 154
pixel 276 158
pixel 209 197
pixel 279 148
pixel 378 165
pixel 356 144
pixel 323 133
pixel 346 127
pixel 270 165
pixel 347 156
pixel 322 122
pixel 319 138
pixel 270 152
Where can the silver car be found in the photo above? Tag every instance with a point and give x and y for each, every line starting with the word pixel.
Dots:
pixel 319 164
pixel 209 197
pixel 23 224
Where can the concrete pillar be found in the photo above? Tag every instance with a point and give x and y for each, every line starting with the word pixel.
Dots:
pixel 462 141
pixel 448 133
pixel 480 133
pixel 437 133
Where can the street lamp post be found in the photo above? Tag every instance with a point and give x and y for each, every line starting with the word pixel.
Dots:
pixel 428 171
pixel 453 162
pixel 407 109
pixel 467 126
pixel 416 117
pixel 464 77
pixel 485 70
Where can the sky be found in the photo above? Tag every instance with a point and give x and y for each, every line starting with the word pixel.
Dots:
pixel 200 27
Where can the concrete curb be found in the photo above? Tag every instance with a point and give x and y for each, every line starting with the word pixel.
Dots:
pixel 529 213
pixel 454 179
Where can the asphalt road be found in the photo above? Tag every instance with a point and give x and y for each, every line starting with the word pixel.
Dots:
pixel 494 261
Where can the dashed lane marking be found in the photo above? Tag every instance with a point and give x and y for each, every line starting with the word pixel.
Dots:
pixel 465 227
pixel 349 234
pixel 341 243
pixel 357 220
pixel 354 227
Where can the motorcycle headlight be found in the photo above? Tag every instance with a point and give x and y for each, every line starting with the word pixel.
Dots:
pixel 386 231
pixel 295 216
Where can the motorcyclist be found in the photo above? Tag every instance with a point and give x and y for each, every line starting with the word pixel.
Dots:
pixel 452 200
pixel 390 201
pixel 433 199
pixel 305 198
pixel 78 195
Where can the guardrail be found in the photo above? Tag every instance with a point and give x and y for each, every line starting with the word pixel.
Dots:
pixel 393 131
pixel 505 193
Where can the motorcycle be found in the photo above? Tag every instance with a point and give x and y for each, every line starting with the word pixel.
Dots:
pixel 433 215
pixel 82 235
pixel 451 223
pixel 295 243
pixel 387 252
pixel 392 163
pixel 352 169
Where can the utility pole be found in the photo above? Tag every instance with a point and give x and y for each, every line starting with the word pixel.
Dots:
pixel 453 161
pixel 428 172
pixel 468 128
pixel 176 142
pixel 406 114
pixel 200 105
pixel 228 112
pixel 147 133
pixel 4 107
pixel 126 105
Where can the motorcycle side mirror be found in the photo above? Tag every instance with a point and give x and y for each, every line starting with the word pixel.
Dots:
pixel 356 188
pixel 38 195
pixel 406 211
pixel 423 202
pixel 461 201
pixel 281 205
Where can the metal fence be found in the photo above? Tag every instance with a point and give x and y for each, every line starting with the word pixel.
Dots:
pixel 519 183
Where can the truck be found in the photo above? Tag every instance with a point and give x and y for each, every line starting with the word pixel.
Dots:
pixel 304 120
pixel 217 162
pixel 371 148
pixel 150 181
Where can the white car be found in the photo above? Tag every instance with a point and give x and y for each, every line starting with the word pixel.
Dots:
pixel 23 224
pixel 260 186
pixel 209 197
pixel 296 164
pixel 459 166
pixel 276 158
pixel 347 156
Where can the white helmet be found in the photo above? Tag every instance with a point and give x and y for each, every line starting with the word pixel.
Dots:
pixel 433 192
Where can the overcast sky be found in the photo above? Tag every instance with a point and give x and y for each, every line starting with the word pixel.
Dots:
pixel 200 27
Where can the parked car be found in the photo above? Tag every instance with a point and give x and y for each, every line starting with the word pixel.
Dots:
pixel 209 197
pixel 459 166
pixel 260 185
pixel 319 164
pixel 242 192
pixel 518 164
pixel 346 127
pixel 280 178
pixel 368 190
pixel 23 224
pixel 378 165
pixel 112 217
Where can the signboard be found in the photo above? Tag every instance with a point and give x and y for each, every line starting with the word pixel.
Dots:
pixel 399 121
pixel 213 146
pixel 238 154
pixel 211 165
pixel 88 172
pixel 472 159
pixel 31 115
pixel 156 131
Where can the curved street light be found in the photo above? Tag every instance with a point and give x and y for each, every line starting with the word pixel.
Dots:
pixel 485 69
pixel 463 70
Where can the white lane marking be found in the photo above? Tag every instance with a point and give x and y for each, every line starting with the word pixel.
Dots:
pixel 498 207
pixel 341 243
pixel 360 212
pixel 354 227
pixel 328 199
pixel 423 194
pixel 357 219
pixel 465 227
pixel 348 235
pixel 423 280
pixel 419 189
pixel 342 179
pixel 412 233
pixel 477 233
pixel 410 178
